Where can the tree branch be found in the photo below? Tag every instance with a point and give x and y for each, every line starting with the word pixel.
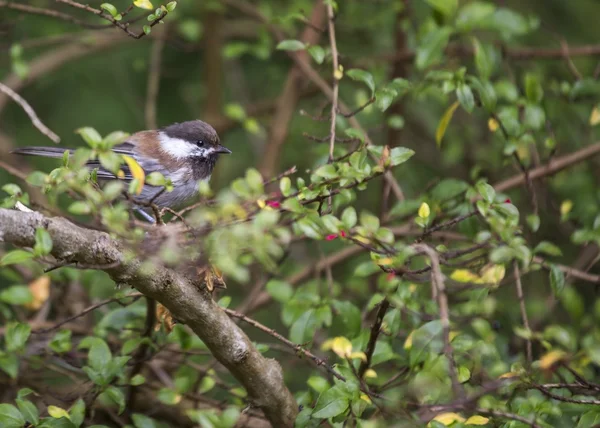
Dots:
pixel 185 297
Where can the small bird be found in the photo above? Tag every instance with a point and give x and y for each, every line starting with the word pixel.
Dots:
pixel 184 152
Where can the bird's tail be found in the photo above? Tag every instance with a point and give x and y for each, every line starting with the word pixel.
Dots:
pixel 49 152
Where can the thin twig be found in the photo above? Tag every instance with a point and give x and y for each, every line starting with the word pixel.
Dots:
pixel 521 298
pixel 87 310
pixel 35 120
pixel 336 71
pixel 375 329
pixel 437 280
pixel 298 348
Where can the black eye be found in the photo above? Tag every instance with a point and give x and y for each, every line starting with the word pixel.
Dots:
pixel 200 143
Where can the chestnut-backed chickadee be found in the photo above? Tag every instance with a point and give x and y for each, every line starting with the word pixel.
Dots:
pixel 184 152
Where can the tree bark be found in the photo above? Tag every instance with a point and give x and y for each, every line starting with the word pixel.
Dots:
pixel 187 298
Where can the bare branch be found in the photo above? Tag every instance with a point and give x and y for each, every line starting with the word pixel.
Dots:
pixel 35 120
pixel 184 296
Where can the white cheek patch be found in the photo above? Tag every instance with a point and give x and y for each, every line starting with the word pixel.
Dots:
pixel 176 147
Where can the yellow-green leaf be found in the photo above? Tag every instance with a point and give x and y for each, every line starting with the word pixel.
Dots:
pixel 448 418
pixel 57 412
pixel 144 4
pixel 424 210
pixel 136 172
pixel 477 420
pixel 444 122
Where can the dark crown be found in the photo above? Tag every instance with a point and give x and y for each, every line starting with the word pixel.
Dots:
pixel 192 131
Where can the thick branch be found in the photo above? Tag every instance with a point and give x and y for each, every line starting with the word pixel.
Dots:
pixel 185 297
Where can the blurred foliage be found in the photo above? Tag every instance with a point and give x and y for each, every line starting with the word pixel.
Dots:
pixel 477 101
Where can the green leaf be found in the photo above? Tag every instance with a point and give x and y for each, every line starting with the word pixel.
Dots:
pixel 362 76
pixel 138 379
pixel 117 396
pixel 171 6
pixel 143 421
pixel 349 316
pixel 533 221
pixel 432 47
pixel 317 52
pixel 43 242
pixel 535 117
pixel 99 355
pixel 444 122
pixel 533 88
pixel 427 338
pixel 400 155
pixel 16 336
pixel 557 280
pixel 79 208
pixel 15 257
pixel 327 172
pixel 349 218
pixel 369 221
pixel 303 329
pixel 291 45
pixel 111 10
pixel 548 248
pixel 384 98
pixel 465 97
pixel 10 417
pixel 9 363
pixel 254 180
pixel 483 62
pixel 502 255
pixel 90 136
pixel 147 29
pixel 77 412
pixel 12 189
pixel 28 410
pixel 285 185
pixel 279 290
pixel 445 7
pixel 486 191
pixel 16 295
pixel 168 396
pixel 331 403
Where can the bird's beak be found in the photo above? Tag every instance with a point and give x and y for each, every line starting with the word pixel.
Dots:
pixel 221 149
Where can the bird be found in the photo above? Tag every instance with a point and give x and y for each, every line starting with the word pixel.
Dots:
pixel 184 152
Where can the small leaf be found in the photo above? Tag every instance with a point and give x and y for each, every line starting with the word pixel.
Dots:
pixel 424 210
pixel 137 172
pixel 557 280
pixel 431 48
pixel 317 52
pixel 477 420
pixel 58 412
pixel 28 410
pixel 400 155
pixel 331 403
pixel 171 6
pixel 15 257
pixel 117 396
pixel 465 96
pixel 10 417
pixel 16 336
pixel 551 358
pixel 90 136
pixel 448 418
pixel 445 7
pixel 486 191
pixel 279 290
pixel 144 4
pixel 16 295
pixel 548 248
pixel 291 45
pixel 533 221
pixel 444 122
pixel 43 242
pixel 349 217
pixel 112 10
pixel 285 186
pixel 362 76
pixel 147 29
